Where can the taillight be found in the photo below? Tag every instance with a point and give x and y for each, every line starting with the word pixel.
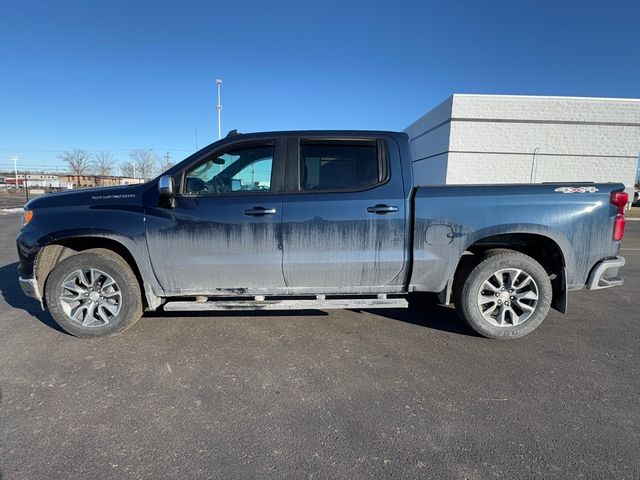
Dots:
pixel 618 227
pixel 620 200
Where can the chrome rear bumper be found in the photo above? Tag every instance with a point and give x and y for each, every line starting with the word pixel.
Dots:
pixel 605 274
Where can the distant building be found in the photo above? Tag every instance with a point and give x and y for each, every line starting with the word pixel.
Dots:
pixel 83 181
pixel 475 139
pixel 54 181
pixel 34 180
pixel 131 180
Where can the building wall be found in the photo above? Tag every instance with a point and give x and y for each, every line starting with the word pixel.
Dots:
pixel 525 168
pixel 519 139
pixel 42 180
pixel 429 137
pixel 106 181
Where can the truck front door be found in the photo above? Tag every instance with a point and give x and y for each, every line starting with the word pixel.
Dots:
pixel 224 233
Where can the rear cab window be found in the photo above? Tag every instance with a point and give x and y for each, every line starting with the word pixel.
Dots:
pixel 341 165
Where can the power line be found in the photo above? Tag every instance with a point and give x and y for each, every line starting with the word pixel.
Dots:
pixel 94 151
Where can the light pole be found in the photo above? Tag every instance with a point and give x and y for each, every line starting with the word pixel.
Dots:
pixel 15 168
pixel 219 107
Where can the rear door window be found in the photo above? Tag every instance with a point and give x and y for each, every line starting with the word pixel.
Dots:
pixel 340 165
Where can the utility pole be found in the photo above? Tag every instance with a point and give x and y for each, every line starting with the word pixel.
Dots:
pixel 219 108
pixel 15 168
pixel 167 157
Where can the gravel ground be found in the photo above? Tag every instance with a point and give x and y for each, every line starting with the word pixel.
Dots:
pixel 11 200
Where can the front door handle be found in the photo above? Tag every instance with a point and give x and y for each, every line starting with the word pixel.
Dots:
pixel 259 211
pixel 382 209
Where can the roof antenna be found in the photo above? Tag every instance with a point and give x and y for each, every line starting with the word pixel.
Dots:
pixel 232 133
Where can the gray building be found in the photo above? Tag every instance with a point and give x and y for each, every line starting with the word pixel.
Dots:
pixel 527 139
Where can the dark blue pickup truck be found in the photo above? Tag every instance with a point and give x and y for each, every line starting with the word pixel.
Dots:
pixel 316 219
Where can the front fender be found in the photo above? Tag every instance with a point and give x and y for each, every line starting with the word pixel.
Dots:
pixel 91 226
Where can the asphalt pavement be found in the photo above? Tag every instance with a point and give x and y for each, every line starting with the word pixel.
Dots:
pixel 347 394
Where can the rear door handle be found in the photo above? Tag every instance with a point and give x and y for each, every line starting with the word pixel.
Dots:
pixel 259 211
pixel 382 209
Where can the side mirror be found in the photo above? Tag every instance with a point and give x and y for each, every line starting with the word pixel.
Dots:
pixel 165 188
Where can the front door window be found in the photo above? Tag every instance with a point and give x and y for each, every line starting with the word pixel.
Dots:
pixel 241 170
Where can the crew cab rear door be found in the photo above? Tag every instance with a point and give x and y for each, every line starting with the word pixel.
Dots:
pixel 223 234
pixel 344 215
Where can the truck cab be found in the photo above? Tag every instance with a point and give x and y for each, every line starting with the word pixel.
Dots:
pixel 317 213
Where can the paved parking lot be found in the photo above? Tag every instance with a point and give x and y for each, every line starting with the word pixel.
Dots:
pixel 382 394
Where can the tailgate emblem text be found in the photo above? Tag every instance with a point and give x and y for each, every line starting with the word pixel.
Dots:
pixel 577 189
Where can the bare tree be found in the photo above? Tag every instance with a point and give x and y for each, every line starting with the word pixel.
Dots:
pixel 103 164
pixel 78 160
pixel 128 169
pixel 144 161
pixel 165 163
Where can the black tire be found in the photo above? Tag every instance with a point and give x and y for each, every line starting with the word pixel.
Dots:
pixel 469 286
pixel 112 264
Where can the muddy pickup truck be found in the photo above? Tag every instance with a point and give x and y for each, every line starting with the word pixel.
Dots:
pixel 317 220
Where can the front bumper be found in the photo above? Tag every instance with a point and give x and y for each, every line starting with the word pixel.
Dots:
pixel 605 274
pixel 30 288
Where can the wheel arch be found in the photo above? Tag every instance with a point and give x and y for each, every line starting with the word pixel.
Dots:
pixel 542 248
pixel 59 249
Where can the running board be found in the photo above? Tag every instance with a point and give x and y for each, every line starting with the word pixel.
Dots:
pixel 303 304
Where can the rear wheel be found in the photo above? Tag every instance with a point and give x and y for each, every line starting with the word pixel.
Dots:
pixel 506 295
pixel 93 293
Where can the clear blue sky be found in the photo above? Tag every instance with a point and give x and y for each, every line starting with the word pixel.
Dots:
pixel 117 75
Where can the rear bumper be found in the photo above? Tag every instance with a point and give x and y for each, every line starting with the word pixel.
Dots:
pixel 30 288
pixel 605 274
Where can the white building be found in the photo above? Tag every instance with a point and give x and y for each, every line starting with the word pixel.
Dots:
pixel 35 180
pixel 471 139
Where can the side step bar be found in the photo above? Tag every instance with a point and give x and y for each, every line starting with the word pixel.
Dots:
pixel 259 303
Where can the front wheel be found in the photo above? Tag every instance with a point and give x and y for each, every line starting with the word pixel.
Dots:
pixel 506 295
pixel 93 293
